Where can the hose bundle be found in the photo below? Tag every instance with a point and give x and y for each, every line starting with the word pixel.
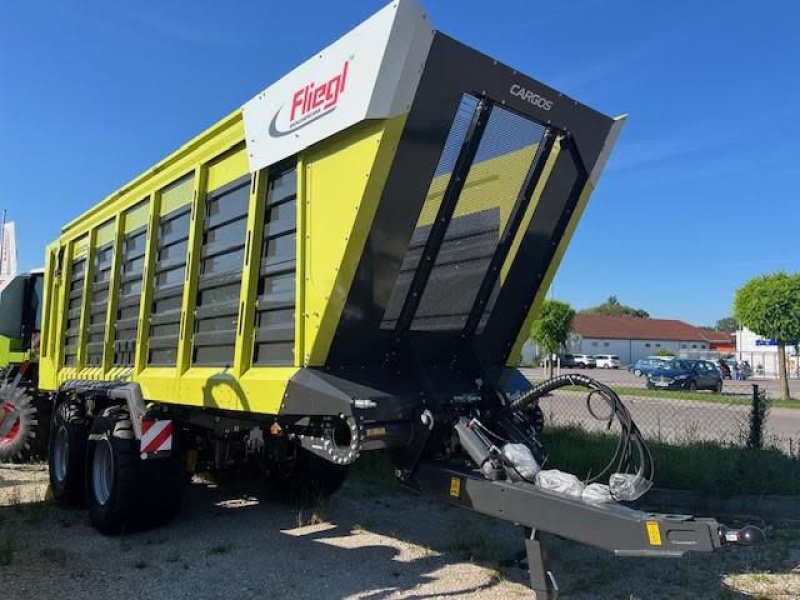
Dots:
pixel 630 470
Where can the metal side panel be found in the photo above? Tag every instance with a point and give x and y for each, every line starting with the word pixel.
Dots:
pixel 444 260
pixel 372 395
pixel 343 183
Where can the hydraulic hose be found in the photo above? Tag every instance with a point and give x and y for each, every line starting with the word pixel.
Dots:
pixel 631 454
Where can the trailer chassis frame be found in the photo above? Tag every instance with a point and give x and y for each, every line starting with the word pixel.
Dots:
pixel 613 527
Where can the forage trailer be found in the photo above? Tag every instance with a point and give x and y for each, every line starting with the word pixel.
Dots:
pixel 349 262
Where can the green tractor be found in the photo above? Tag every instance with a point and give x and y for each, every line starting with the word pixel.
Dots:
pixel 21 408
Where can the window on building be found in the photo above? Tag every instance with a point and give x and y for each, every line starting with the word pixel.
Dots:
pixel 694 345
pixel 606 344
pixel 647 345
pixel 658 345
pixel 594 344
pixel 683 346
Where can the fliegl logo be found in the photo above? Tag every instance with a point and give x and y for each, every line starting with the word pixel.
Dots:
pixel 312 101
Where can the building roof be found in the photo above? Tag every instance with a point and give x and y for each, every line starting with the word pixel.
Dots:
pixel 631 328
pixel 717 337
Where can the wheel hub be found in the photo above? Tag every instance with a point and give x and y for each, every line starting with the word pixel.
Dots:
pixel 17 421
pixel 60 453
pixel 103 471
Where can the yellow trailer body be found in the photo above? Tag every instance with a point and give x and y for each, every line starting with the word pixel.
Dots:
pixel 398 195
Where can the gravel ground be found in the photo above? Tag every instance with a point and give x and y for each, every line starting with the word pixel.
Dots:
pixel 369 541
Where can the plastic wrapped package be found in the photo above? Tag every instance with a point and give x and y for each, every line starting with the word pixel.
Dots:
pixel 525 465
pixel 628 487
pixel 560 482
pixel 597 493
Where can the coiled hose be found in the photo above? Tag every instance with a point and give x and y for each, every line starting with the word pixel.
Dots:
pixel 632 453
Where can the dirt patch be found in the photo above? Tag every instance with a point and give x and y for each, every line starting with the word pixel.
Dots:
pixel 368 542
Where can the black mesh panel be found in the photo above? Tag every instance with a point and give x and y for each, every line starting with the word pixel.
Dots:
pixel 433 199
pixel 165 314
pixel 505 154
pixel 72 325
pixel 274 321
pixel 221 257
pixel 103 260
pixel 126 325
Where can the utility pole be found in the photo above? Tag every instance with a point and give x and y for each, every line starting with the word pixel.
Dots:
pixel 2 239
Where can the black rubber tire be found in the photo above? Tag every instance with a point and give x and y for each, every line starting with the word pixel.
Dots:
pixel 41 440
pixel 310 478
pixel 638 372
pixel 69 488
pixel 143 493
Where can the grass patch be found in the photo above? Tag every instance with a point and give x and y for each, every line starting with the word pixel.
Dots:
pixel 221 549
pixel 726 397
pixel 55 555
pixel 314 514
pixel 6 553
pixel 375 468
pixel 475 545
pixel 741 399
pixel 706 467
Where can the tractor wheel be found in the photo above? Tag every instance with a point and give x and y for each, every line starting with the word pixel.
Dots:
pixel 124 492
pixel 305 477
pixel 69 432
pixel 17 423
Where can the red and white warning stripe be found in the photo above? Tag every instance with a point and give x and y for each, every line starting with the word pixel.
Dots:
pixel 156 436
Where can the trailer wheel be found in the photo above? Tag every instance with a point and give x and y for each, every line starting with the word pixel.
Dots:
pixel 67 453
pixel 41 438
pixel 124 492
pixel 306 477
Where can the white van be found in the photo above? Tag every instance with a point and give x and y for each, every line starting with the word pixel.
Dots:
pixel 606 361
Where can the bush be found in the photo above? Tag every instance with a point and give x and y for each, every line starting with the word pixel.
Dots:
pixel 665 352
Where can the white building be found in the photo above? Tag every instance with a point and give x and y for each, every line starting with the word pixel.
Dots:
pixel 762 354
pixel 632 338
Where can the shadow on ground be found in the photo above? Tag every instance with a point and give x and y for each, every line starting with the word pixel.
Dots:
pixel 369 541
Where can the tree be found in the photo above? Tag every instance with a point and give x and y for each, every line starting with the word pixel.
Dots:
pixel 727 324
pixel 665 352
pixel 551 328
pixel 612 308
pixel 770 306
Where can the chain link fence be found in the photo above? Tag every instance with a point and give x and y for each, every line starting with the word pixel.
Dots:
pixel 740 415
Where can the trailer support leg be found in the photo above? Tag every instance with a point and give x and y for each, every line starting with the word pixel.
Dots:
pixel 543 581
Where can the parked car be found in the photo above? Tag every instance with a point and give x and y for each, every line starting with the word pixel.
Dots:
pixel 683 374
pixel 643 366
pixel 584 361
pixel 578 361
pixel 606 361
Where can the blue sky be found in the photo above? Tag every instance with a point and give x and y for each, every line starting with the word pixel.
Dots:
pixel 700 195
